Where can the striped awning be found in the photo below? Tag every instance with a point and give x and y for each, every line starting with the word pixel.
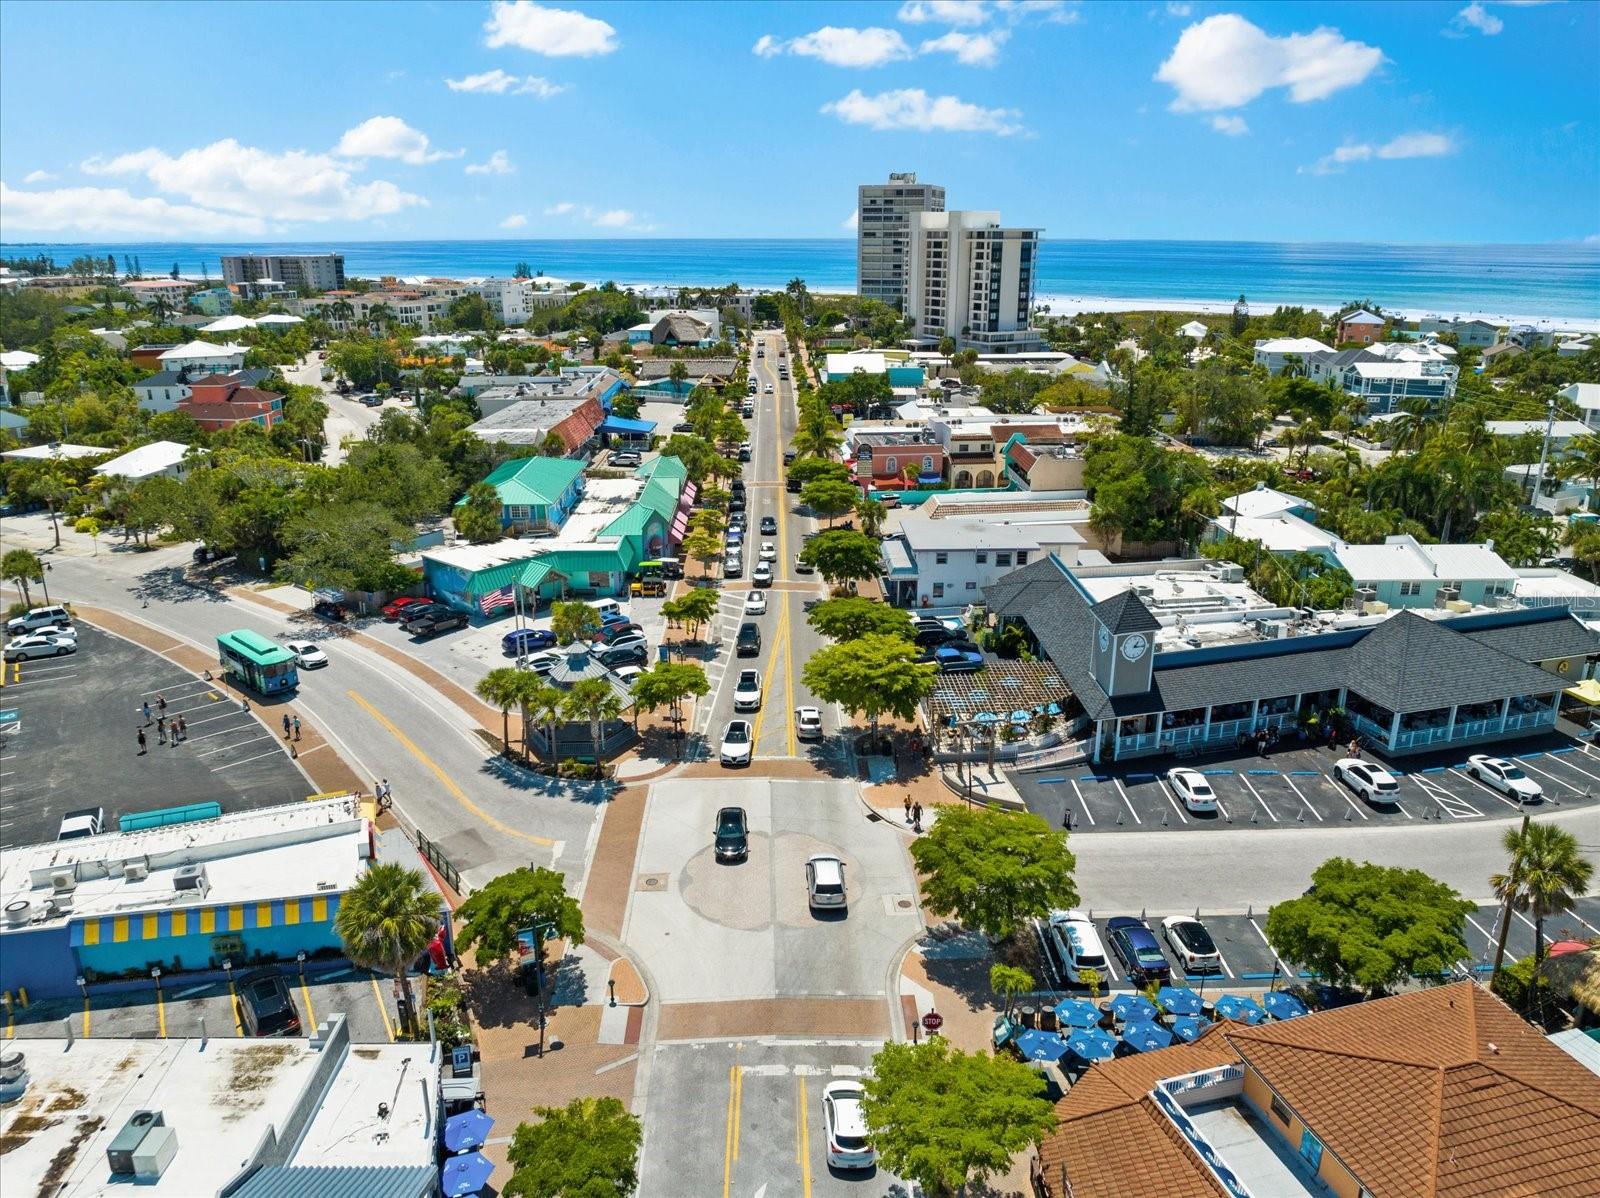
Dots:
pixel 202 921
pixel 680 526
pixel 687 498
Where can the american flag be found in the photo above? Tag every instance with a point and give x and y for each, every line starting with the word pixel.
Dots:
pixel 495 600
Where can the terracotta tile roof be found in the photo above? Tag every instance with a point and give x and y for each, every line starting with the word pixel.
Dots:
pixel 1440 1093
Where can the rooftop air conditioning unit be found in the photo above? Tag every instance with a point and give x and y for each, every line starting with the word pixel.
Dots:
pixel 154 1154
pixel 1366 595
pixel 18 912
pixel 135 871
pixel 191 877
pixel 58 905
pixel 120 1153
pixel 64 881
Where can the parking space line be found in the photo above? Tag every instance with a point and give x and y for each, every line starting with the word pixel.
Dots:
pixel 1125 801
pixel 237 744
pixel 1259 799
pixel 1082 802
pixel 217 769
pixel 1446 801
pixel 1226 968
pixel 1552 777
pixel 1488 790
pixel 1262 933
pixel 1162 783
pixel 1303 799
pixel 1345 795
pixel 305 993
pixel 383 1011
pixel 1575 769
pixel 805 1141
pixel 1573 912
pixel 176 686
pixel 222 731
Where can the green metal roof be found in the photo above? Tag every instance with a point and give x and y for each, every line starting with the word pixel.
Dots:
pixel 495 577
pixel 534 573
pixel 632 522
pixel 572 562
pixel 667 469
pixel 533 480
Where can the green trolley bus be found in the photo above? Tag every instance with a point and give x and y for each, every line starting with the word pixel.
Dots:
pixel 265 667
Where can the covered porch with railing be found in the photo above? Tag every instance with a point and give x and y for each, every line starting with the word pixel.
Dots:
pixel 1463 723
pixel 1206 729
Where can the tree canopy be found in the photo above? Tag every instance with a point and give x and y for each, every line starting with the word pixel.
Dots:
pixel 871 675
pixel 843 555
pixel 523 898
pixel 586 1149
pixel 992 870
pixel 849 617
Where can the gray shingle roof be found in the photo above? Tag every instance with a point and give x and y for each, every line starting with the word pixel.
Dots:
pixel 1412 663
pixel 1269 677
pixel 1126 612
pixel 660 368
pixel 1540 641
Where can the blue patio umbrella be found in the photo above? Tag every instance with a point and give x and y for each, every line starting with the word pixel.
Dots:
pixel 986 717
pixel 1074 1012
pixel 1132 1008
pixel 467 1130
pixel 1146 1036
pixel 1188 1027
pixel 1092 1044
pixel 466 1174
pixel 1179 1000
pixel 1020 717
pixel 1035 1045
pixel 1283 1005
pixel 1240 1009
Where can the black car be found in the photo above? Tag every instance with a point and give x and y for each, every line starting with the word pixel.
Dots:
pixel 793 485
pixel 615 632
pixel 683 428
pixel 769 524
pixel 632 655
pixel 932 638
pixel 434 623
pixel 736 503
pixel 732 836
pixel 265 1008
pixel 1138 950
pixel 789 456
pixel 749 640
pixel 329 610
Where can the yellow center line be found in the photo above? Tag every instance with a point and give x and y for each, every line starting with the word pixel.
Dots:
pixel 766 686
pixel 444 779
pixel 791 741
pixel 788 679
pixel 728 1132
pixel 238 1023
pixel 805 1142
pixel 382 1010
pixel 305 993
pixel 738 1106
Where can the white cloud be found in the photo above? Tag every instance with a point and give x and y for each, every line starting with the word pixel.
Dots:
pixel 37 177
pixel 500 83
pixel 554 32
pixel 970 49
pixel 1057 12
pixel 944 12
pixel 499 163
pixel 112 210
pixel 1175 9
pixel 1420 144
pixel 615 218
pixel 851 222
pixel 599 218
pixel 913 108
pixel 515 221
pixel 226 177
pixel 566 207
pixel 840 47
pixel 1476 16
pixel 390 137
pixel 1233 126
pixel 1225 62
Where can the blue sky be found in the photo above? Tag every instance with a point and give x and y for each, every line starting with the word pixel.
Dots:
pixel 1418 122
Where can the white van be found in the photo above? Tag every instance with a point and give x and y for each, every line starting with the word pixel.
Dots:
pixel 604 606
pixel 1077 945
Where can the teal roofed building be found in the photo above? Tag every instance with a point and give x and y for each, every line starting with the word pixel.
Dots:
pixel 536 494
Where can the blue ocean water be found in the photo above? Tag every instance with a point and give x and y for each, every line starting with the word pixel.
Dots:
pixel 1560 280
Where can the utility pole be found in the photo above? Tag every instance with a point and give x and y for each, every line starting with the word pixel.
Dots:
pixel 1544 452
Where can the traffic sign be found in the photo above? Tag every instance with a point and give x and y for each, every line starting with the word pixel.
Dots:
pixel 932 1021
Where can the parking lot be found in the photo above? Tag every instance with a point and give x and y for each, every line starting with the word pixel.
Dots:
pixel 79 717
pixel 1295 788
pixel 178 1007
pixel 1248 961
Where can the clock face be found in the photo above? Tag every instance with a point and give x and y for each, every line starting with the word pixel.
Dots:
pixel 1134 647
pixel 1105 639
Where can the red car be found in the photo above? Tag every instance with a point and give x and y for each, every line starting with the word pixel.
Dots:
pixel 395 609
pixel 612 632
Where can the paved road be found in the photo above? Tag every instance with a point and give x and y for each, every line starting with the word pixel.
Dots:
pixel 486 816
pixel 346 417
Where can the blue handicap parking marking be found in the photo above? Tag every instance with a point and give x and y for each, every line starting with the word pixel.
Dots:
pixel 1141 777
pixel 1048 781
pixel 1216 773
pixel 1306 773
pixel 1263 773
pixel 1433 769
pixel 1525 756
pixel 1558 752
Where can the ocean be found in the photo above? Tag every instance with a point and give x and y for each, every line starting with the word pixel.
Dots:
pixel 1560 281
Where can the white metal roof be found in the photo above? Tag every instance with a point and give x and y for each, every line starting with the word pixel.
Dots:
pixel 1292 345
pixel 482 557
pixel 1404 559
pixel 145 460
pixel 1265 502
pixel 201 351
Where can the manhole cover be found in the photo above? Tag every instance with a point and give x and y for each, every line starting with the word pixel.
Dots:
pixel 652 882
pixel 904 904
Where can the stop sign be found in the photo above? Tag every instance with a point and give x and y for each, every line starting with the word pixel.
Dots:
pixel 932 1021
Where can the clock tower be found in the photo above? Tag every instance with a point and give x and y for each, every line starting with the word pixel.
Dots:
pixel 1124 646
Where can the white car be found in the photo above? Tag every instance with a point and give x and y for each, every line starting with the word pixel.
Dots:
pixel 845 1121
pixel 628 673
pixel 747 691
pixel 543 663
pixel 1192 787
pixel 1191 943
pixel 736 743
pixel 761 576
pixel 1372 782
pixel 61 632
pixel 769 389
pixel 631 640
pixel 808 723
pixel 26 648
pixel 825 881
pixel 1077 945
pixel 1505 776
pixel 769 551
pixel 755 603
pixel 306 654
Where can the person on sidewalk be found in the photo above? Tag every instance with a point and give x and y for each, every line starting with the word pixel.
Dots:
pixel 286 725
pixel 161 729
pixel 916 817
pixel 161 704
pixel 141 743
pixel 183 728
pixel 147 711
pixel 297 727
pixel 908 809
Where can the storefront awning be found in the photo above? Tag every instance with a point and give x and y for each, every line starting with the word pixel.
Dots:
pixel 623 427
pixel 680 526
pixel 1587 691
pixel 687 498
pixel 202 921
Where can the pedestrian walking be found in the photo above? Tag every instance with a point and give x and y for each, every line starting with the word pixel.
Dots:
pixel 141 742
pixel 161 704
pixel 297 727
pixel 286 725
pixel 183 728
pixel 916 816
pixel 161 729
pixel 908 809
pixel 147 711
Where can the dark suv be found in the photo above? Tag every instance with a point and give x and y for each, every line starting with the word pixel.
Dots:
pixel 732 835
pixel 435 622
pixel 265 1008
pixel 1138 950
pixel 749 640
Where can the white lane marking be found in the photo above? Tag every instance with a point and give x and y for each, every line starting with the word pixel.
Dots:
pixel 1259 799
pixel 1162 783
pixel 1562 760
pixel 246 761
pixel 1548 774
pixel 1488 790
pixel 1444 800
pixel 1129 805
pixel 238 744
pixel 1083 801
pixel 1339 790
pixel 1259 932
pixel 1302 798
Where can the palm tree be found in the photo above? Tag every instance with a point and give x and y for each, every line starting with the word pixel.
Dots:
pixel 1545 871
pixel 503 688
pixel 341 312
pixel 1411 428
pixel 381 315
pixel 386 921
pixel 541 704
pixel 593 699
pixel 1583 461
pixel 677 375
pixel 22 566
